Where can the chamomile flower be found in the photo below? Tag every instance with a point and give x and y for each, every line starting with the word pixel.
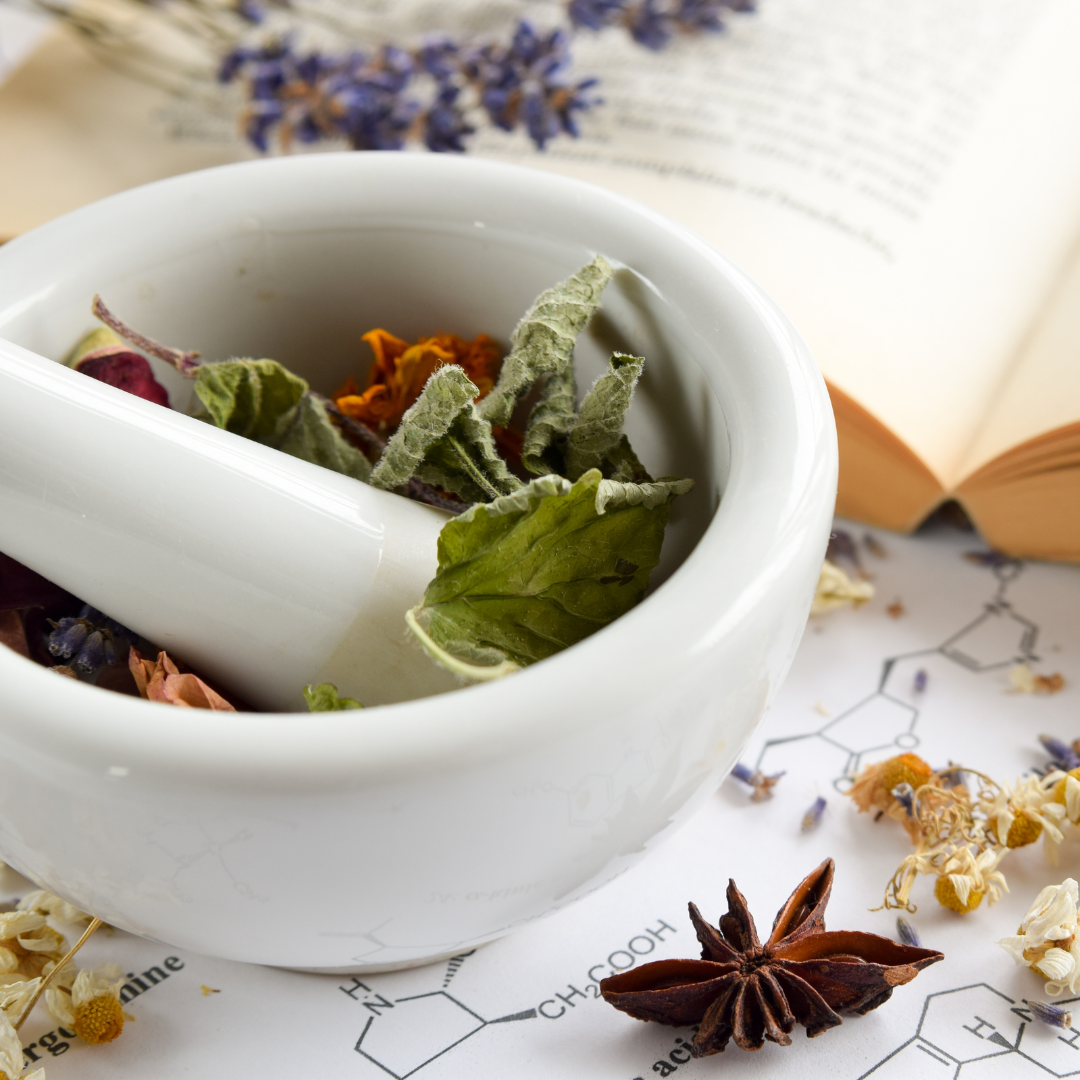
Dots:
pixel 28 943
pixel 1065 790
pixel 47 903
pixel 1047 939
pixel 11 1055
pixel 1020 815
pixel 965 878
pixel 875 786
pixel 15 994
pixel 88 1003
pixel 836 590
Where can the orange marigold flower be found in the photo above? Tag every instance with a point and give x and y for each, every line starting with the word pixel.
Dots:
pixel 400 371
pixel 161 680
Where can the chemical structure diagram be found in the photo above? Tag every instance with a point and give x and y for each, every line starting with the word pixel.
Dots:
pixel 964 1034
pixel 402 1035
pixel 884 723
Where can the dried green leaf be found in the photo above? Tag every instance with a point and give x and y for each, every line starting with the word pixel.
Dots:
pixel 538 570
pixel 313 437
pixel 253 398
pixel 622 464
pixel 543 344
pixel 615 495
pixel 445 442
pixel 264 401
pixel 598 429
pixel 325 698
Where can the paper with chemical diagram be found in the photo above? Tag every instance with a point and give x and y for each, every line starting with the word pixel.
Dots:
pixel 528 1005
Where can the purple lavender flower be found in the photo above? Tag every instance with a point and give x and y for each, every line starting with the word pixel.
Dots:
pixel 651 25
pixel 906 932
pixel 762 785
pixel 445 125
pixel 90 640
pixel 366 102
pixel 1064 755
pixel 440 58
pixel 920 681
pixel 526 82
pixel 707 15
pixel 842 546
pixel 250 11
pixel 812 817
pixel 1053 1015
pixel 595 14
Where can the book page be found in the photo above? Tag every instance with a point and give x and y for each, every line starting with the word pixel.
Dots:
pixel 1042 392
pixel 902 178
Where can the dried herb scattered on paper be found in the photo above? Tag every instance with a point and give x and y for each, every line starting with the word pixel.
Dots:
pixel 963 823
pixel 750 992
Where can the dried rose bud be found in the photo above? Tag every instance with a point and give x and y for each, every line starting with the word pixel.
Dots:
pixel 104 356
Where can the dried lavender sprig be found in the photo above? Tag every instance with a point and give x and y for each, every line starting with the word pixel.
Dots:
pixel 919 683
pixel 812 817
pixel 906 932
pixel 653 23
pixel 762 785
pixel 1053 1015
pixel 90 641
pixel 1063 754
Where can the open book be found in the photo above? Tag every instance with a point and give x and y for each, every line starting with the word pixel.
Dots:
pixel 903 178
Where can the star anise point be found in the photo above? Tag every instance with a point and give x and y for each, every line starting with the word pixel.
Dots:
pixel 744 991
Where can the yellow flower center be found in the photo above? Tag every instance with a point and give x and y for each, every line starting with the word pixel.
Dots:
pixel 1024 830
pixel 99 1020
pixel 1059 788
pixel 946 895
pixel 905 769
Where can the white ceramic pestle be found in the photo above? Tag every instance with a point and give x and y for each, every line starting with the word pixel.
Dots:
pixel 259 570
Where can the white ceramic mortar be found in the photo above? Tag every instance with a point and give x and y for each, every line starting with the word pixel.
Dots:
pixel 407 832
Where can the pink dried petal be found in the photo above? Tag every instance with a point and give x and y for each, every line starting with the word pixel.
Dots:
pixel 126 371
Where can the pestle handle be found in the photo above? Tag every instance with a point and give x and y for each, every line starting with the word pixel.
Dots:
pixel 259 570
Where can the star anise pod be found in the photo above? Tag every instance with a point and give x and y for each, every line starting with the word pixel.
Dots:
pixel 749 992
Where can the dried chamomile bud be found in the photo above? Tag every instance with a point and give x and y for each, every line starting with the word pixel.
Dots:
pixel 1047 938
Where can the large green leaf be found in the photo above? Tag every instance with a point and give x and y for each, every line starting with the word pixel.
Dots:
pixel 536 571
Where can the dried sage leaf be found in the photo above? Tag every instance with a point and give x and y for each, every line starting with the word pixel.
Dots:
pixel 597 431
pixel 253 398
pixel 538 570
pixel 543 344
pixel 313 437
pixel 445 442
pixel 264 401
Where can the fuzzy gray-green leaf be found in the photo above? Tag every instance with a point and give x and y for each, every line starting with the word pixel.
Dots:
pixel 540 569
pixel 444 441
pixel 253 398
pixel 615 495
pixel 313 437
pixel 598 428
pixel 543 341
pixel 428 419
